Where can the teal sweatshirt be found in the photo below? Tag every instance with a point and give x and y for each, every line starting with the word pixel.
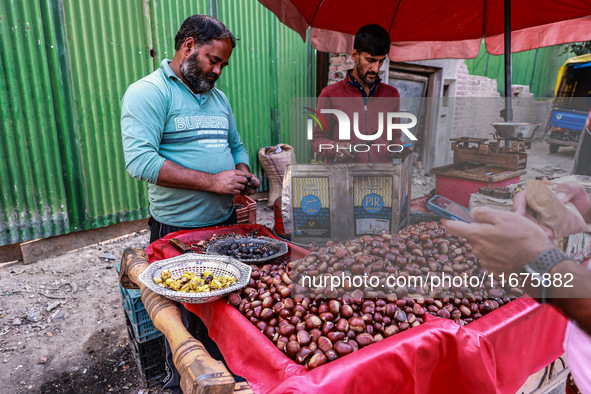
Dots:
pixel 162 119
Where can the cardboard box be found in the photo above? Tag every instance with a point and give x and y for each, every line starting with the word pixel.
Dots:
pixel 342 201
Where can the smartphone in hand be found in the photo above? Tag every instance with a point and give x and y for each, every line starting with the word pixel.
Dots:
pixel 449 209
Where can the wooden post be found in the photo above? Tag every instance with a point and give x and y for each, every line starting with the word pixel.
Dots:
pixel 199 372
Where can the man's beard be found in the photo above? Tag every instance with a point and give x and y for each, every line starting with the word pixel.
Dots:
pixel 193 73
pixel 364 77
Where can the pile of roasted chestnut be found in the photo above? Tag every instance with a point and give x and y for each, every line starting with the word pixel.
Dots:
pixel 317 325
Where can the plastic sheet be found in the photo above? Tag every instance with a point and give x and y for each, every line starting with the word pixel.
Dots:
pixel 495 354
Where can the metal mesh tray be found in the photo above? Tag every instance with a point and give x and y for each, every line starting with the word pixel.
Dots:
pixel 417 217
pixel 221 247
pixel 197 263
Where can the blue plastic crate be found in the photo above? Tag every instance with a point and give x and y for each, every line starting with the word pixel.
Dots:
pixel 140 316
pixel 149 347
pixel 132 330
pixel 140 321
pixel 141 324
pixel 145 331
pixel 133 306
pixel 151 356
pixel 132 302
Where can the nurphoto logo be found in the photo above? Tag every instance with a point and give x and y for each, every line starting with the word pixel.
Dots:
pixel 392 121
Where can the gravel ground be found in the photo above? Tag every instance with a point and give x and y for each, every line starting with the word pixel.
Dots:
pixel 62 325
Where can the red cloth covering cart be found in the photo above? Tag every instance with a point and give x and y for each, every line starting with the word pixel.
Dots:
pixel 495 354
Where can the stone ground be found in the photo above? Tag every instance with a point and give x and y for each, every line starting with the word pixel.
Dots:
pixel 62 325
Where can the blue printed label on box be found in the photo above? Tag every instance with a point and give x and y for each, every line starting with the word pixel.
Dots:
pixel 311 208
pixel 372 204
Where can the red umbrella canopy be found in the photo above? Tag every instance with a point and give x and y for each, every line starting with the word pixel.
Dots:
pixel 433 29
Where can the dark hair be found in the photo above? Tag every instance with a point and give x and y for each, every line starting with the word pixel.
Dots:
pixel 203 29
pixel 373 39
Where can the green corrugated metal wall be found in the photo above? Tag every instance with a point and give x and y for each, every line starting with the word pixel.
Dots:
pixel 108 51
pixel 166 17
pixel 537 68
pixel 64 66
pixel 31 183
pixel 293 69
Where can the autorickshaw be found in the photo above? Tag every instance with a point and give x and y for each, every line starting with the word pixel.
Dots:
pixel 571 103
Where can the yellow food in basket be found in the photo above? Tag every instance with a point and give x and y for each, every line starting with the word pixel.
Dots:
pixel 190 282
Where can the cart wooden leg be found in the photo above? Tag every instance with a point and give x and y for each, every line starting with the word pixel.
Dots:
pixel 199 372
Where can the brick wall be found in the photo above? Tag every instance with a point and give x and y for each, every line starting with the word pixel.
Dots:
pixel 478 104
pixel 339 64
pixel 474 86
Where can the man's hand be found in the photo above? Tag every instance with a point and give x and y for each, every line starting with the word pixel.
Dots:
pixel 343 152
pixel 229 182
pixel 575 193
pixel 226 182
pixel 252 182
pixel 503 241
pixel 252 185
pixel 521 208
pixel 568 192
pixel 402 154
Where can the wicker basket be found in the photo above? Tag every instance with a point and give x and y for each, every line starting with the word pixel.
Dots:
pixel 197 263
pixel 221 246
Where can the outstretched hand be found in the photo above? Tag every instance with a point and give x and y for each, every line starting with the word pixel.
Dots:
pixel 568 192
pixel 575 193
pixel 503 241
pixel 521 208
